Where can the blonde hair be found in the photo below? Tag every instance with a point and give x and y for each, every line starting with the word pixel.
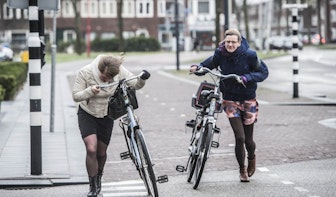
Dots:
pixel 234 32
pixel 110 65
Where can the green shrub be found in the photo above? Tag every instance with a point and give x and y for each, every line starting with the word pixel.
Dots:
pixel 131 44
pixel 12 76
pixel 2 93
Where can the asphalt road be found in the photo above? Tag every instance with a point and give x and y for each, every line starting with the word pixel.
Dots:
pixel 295 153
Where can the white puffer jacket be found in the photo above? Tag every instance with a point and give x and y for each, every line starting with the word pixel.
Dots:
pixel 97 105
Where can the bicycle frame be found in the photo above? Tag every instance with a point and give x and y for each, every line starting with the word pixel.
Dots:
pixel 202 136
pixel 135 141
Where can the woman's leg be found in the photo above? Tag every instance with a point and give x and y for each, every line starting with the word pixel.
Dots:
pixel 91 155
pixel 249 142
pixel 238 129
pixel 250 147
pixel 101 155
pixel 101 158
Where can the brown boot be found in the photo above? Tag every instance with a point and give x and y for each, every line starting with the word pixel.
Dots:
pixel 243 175
pixel 251 166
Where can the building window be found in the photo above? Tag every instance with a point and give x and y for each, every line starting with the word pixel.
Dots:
pixel 203 7
pixel 67 9
pixel 145 8
pixel 128 8
pixel 108 8
pixel 69 35
pixel 161 8
pixel 89 8
pixel 7 12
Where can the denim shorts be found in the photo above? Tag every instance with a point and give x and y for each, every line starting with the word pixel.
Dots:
pixel 247 110
pixel 89 125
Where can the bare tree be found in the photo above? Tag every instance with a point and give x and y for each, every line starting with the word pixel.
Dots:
pixel 78 43
pixel 247 28
pixel 218 11
pixel 121 26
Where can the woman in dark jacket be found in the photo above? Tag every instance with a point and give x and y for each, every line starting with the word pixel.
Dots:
pixel 234 56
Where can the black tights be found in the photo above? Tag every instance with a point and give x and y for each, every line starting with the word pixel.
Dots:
pixel 244 136
pixel 95 155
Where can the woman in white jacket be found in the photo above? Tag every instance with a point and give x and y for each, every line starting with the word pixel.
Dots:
pixel 94 124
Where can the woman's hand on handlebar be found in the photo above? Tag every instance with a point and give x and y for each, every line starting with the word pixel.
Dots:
pixel 195 69
pixel 95 89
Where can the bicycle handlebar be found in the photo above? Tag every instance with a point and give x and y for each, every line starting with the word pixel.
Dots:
pixel 207 70
pixel 122 80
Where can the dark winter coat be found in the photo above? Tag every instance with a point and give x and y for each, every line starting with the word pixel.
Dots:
pixel 243 61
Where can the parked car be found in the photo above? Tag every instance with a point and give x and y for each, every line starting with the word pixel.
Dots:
pixel 283 43
pixel 314 39
pixel 6 53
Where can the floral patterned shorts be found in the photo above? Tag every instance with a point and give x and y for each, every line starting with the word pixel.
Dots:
pixel 248 110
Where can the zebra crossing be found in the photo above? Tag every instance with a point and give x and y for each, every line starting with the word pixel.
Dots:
pixel 130 188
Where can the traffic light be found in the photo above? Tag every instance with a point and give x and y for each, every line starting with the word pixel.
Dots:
pixel 43 53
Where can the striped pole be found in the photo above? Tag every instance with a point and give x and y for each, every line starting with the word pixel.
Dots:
pixel 295 49
pixel 34 64
pixel 295 52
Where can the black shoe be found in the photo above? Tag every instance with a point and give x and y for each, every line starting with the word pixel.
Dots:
pixel 93 186
pixel 99 177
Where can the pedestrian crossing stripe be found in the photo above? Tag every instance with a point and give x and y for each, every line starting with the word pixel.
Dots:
pixel 124 188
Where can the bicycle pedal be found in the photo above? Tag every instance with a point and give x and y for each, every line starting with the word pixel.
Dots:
pixel 214 144
pixel 191 123
pixel 162 179
pixel 125 155
pixel 180 168
pixel 216 130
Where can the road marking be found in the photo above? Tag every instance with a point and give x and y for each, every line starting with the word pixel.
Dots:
pixel 274 175
pixel 287 182
pixel 263 169
pixel 124 188
pixel 301 189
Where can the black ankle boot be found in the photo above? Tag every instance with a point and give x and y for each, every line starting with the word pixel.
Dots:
pixel 93 186
pixel 99 177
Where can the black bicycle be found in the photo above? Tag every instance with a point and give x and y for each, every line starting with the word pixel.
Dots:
pixel 208 104
pixel 123 102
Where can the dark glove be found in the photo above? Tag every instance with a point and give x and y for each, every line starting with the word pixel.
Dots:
pixel 145 75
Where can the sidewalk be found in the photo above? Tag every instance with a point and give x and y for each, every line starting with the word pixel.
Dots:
pixel 63 152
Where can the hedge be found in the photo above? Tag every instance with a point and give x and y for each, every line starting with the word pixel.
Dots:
pixel 12 77
pixel 131 44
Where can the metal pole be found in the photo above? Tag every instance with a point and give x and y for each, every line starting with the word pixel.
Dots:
pixel 295 26
pixel 52 82
pixel 295 53
pixel 34 46
pixel 226 14
pixel 177 36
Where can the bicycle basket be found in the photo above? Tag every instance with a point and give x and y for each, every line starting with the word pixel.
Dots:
pixel 199 101
pixel 116 103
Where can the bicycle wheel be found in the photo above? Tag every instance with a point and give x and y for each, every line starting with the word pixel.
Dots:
pixel 203 154
pixel 193 157
pixel 146 169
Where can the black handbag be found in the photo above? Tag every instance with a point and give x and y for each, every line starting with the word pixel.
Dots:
pixel 116 103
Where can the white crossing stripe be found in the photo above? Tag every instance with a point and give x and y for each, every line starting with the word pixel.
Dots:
pixel 124 188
